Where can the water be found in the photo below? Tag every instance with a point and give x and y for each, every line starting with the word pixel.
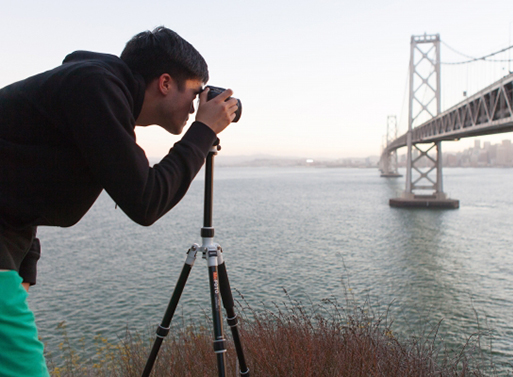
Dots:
pixel 304 229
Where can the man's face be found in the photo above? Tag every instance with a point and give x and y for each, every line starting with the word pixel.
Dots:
pixel 178 104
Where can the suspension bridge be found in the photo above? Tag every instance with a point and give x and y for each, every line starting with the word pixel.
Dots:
pixel 489 111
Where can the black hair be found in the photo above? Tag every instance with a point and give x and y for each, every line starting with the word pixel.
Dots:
pixel 152 53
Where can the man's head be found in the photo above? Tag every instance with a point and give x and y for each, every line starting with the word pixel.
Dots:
pixel 174 72
pixel 152 53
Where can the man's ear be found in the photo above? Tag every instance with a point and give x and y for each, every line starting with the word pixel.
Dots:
pixel 166 84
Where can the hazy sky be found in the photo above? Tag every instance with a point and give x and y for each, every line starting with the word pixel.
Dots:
pixel 316 78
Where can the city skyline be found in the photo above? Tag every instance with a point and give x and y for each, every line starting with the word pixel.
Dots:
pixel 500 154
pixel 481 154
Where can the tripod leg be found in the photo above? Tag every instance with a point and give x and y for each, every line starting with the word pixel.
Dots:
pixel 219 341
pixel 163 328
pixel 228 303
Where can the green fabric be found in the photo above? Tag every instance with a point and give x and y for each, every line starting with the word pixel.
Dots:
pixel 21 352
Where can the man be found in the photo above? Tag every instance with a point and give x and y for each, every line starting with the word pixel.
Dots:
pixel 68 133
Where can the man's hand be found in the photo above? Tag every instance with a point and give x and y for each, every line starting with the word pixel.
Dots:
pixel 217 113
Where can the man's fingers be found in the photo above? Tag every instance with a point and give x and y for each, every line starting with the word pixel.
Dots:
pixel 203 95
pixel 232 105
pixel 225 95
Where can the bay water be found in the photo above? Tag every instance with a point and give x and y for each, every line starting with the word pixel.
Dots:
pixel 315 232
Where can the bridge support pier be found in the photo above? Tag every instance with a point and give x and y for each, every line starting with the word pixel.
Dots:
pixel 425 201
pixel 424 101
pixel 422 163
pixel 388 163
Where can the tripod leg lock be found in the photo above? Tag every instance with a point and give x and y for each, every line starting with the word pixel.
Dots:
pixel 232 322
pixel 191 254
pixel 219 346
pixel 162 331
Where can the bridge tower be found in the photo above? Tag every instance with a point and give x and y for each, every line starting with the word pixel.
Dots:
pixel 423 190
pixel 388 162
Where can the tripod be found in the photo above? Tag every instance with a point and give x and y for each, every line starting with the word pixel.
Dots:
pixel 219 286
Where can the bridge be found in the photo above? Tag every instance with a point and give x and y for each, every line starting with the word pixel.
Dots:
pixel 487 112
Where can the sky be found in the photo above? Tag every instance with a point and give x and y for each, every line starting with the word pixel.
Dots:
pixel 317 79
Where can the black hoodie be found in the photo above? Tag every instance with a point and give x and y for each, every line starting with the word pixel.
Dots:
pixel 68 133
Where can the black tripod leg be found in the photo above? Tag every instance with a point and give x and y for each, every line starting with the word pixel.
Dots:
pixel 163 328
pixel 219 341
pixel 229 305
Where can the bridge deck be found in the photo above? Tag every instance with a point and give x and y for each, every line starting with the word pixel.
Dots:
pixel 486 112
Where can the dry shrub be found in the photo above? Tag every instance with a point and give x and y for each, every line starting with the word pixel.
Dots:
pixel 290 339
pixel 332 340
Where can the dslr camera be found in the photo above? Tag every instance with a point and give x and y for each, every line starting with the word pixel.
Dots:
pixel 215 91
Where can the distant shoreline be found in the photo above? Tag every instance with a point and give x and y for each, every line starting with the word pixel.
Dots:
pixel 287 162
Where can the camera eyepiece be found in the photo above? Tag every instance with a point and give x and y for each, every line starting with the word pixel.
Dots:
pixel 215 91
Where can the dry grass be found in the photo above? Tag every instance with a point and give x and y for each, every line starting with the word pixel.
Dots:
pixel 289 340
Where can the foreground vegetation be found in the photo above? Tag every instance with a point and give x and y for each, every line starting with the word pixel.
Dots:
pixel 288 340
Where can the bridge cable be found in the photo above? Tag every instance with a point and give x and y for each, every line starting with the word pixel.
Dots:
pixel 472 59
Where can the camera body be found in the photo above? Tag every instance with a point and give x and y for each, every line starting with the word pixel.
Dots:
pixel 215 91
